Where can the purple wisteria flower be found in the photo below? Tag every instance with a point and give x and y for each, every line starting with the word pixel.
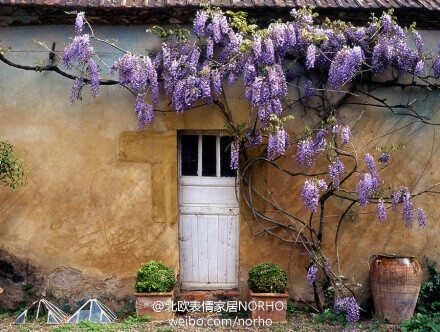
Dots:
pixel 311 274
pixel 327 265
pixel 216 82
pixel 403 196
pixel 94 77
pixel 310 193
pixel 268 51
pixel 384 158
pixel 277 143
pixel 418 42
pixel 126 67
pixel 344 132
pixel 257 48
pixel 235 155
pixel 369 161
pixel 138 78
pixel 345 66
pixel 311 55
pixel 421 217
pixel 79 23
pixel 308 149
pixel 408 213
pixel 250 72
pixel 371 167
pixel 369 183
pixel 320 142
pixel 381 211
pixel 200 22
pixel 349 306
pixel 305 154
pixel 75 92
pixel 436 67
pixel 336 169
pixel 144 111
pixel 387 23
pixel 78 51
pixel 220 26
pixel 253 139
pixel 209 48
pixel 364 189
pixel 152 79
pixel 420 66
pixel 345 135
pixel 309 91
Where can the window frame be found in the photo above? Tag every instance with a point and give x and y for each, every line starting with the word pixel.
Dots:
pixel 200 135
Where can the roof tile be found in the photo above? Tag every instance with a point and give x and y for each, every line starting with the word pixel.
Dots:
pixel 431 5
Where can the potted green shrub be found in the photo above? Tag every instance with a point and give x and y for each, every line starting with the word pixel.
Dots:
pixel 267 282
pixel 155 291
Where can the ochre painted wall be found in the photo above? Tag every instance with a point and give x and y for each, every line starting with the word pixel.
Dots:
pixel 101 196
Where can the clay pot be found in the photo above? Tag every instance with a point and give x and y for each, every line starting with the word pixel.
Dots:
pixel 271 306
pixel 157 305
pixel 395 283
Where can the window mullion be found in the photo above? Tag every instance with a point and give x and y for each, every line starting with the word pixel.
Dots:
pixel 199 166
pixel 217 155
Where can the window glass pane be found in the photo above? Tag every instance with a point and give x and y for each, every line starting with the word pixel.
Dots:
pixel 225 156
pixel 189 157
pixel 209 156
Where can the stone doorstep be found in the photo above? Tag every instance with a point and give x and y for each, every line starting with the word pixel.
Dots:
pixel 216 295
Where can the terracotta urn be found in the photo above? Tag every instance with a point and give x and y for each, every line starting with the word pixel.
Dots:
pixel 395 283
pixel 271 306
pixel 157 305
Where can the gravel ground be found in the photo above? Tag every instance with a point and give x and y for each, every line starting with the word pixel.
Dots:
pixel 296 322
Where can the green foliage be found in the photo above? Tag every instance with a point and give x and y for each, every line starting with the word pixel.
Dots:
pixel 28 297
pixel 127 310
pixel 267 278
pixel 328 316
pixel 240 22
pixel 12 172
pixel 154 277
pixel 429 297
pixel 137 319
pixel 91 327
pixel 291 309
pixel 423 323
pixel 275 122
pixel 389 149
pixel 181 34
pixel 427 317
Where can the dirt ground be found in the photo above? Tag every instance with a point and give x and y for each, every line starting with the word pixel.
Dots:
pixel 296 322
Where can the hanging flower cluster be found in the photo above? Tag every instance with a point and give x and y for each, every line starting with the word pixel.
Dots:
pixel 349 306
pixel 311 274
pixel 140 74
pixel 336 169
pixel 310 193
pixel 308 149
pixel 277 144
pixel 402 197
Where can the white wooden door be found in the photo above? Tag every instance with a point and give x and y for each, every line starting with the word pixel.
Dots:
pixel 208 214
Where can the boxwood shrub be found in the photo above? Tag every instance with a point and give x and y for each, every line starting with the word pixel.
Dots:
pixel 267 278
pixel 154 277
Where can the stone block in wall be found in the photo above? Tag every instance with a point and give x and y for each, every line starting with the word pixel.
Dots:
pixel 160 150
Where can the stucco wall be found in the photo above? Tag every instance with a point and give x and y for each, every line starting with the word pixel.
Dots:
pixel 93 209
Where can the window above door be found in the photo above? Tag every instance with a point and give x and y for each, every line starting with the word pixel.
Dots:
pixel 206 155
